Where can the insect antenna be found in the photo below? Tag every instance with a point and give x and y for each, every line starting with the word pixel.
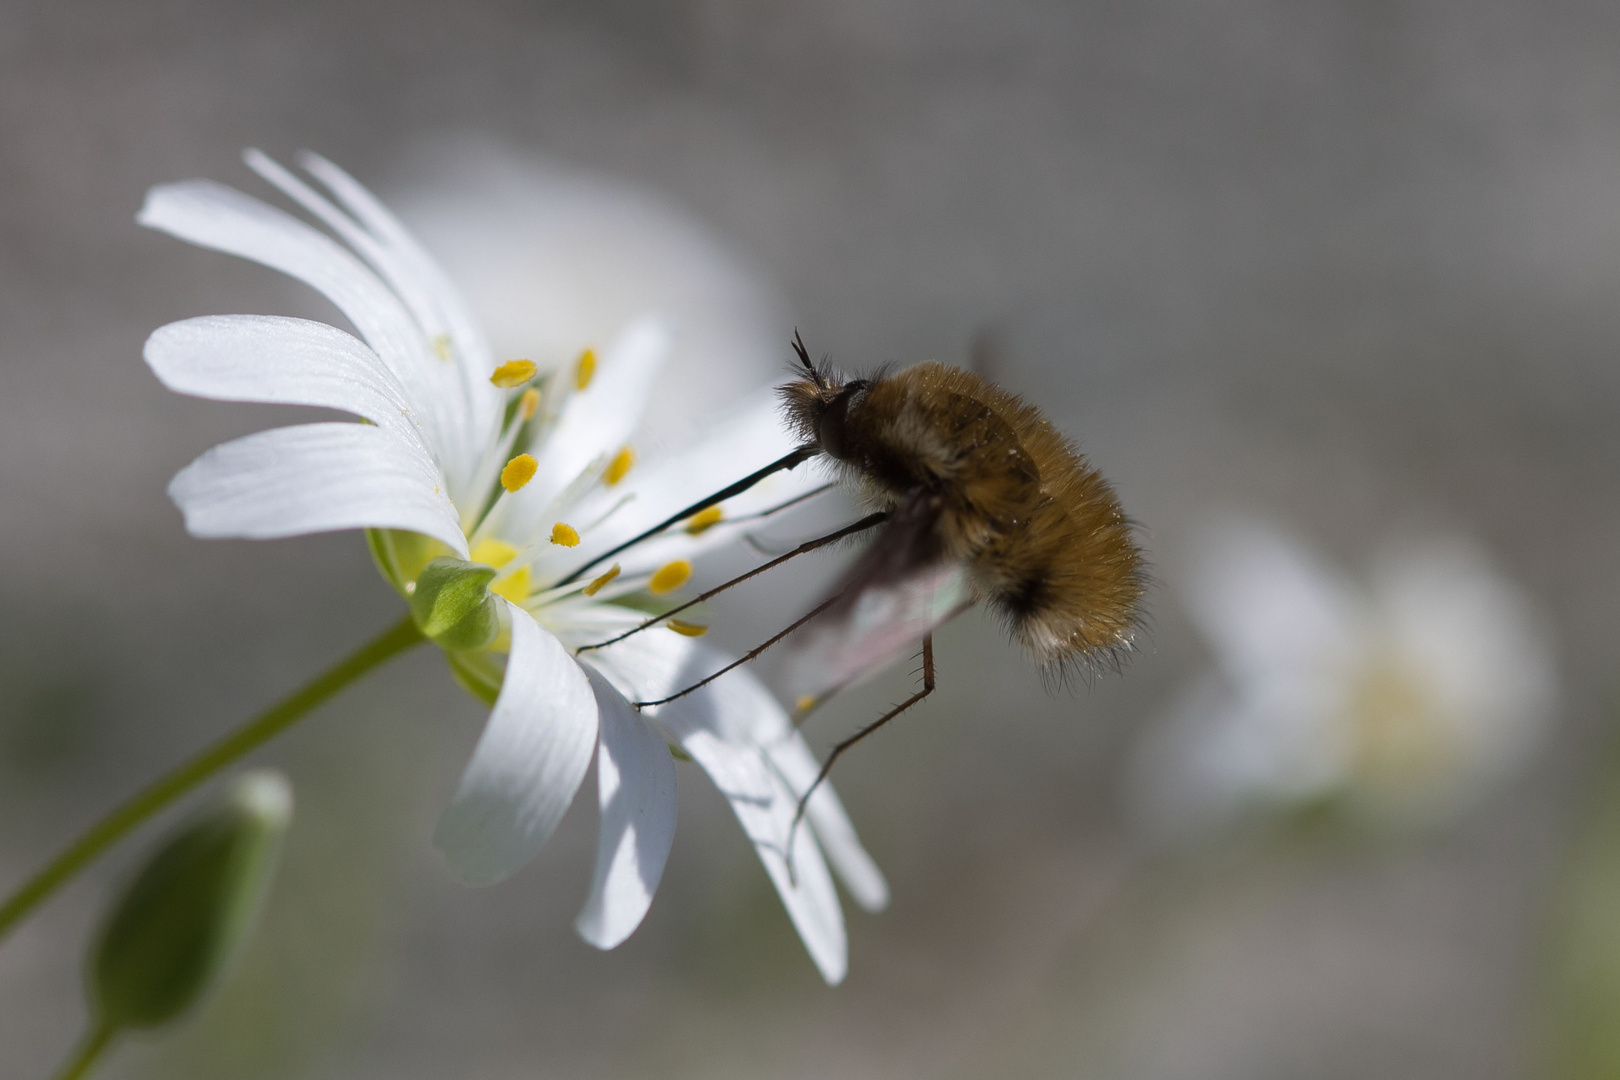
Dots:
pixel 779 507
pixel 805 548
pixel 781 464
pixel 838 751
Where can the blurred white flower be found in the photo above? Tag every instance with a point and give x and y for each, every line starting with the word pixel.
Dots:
pixel 1400 700
pixel 523 479
pixel 550 254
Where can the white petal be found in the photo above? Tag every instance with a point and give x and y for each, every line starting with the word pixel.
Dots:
pixel 1265 603
pixel 278 360
pixel 1477 639
pixel 644 666
pixel 413 262
pixel 416 279
pixel 214 216
pixel 826 814
pixel 740 444
pixel 765 808
pixel 597 420
pixel 746 713
pixel 528 763
pixel 315 478
pixel 636 788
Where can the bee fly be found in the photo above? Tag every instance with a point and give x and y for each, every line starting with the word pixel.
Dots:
pixel 979 499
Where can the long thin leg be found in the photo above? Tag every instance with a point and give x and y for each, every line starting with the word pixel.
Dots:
pixel 805 548
pixel 787 461
pixel 838 751
pixel 747 656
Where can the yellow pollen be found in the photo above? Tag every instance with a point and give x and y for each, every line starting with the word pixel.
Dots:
pixel 492 552
pixel 704 520
pixel 804 704
pixel 441 347
pixel 670 576
pixel 597 585
pixel 529 404
pixel 619 466
pixel 513 373
pixel 518 471
pixel 515 586
pixel 688 629
pixel 565 535
pixel 584 369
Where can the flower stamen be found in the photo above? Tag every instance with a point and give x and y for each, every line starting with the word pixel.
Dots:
pixel 513 373
pixel 619 466
pixel 687 629
pixel 584 369
pixel 704 520
pixel 564 535
pixel 518 472
pixel 598 583
pixel 670 577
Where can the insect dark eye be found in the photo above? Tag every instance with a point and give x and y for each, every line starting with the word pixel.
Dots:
pixel 830 426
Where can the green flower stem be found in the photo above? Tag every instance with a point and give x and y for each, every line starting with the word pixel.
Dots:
pixel 258 731
pixel 88 1052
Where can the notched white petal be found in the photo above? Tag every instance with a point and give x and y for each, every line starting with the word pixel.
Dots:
pixel 528 764
pixel 315 478
pixel 278 360
pixel 764 807
pixel 636 790
pixel 601 418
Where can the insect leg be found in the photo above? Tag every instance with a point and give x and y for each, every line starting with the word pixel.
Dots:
pixel 781 464
pixel 838 751
pixel 747 656
pixel 805 548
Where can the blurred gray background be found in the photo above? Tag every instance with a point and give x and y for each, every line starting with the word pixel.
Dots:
pixel 1351 265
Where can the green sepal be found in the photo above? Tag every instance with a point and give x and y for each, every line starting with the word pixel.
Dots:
pixel 453 605
pixel 479 673
pixel 401 555
pixel 180 920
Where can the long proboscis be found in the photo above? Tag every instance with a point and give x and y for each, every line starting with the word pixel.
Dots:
pixel 782 464
pixel 805 548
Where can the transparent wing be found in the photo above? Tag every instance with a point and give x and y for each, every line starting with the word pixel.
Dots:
pixel 898 592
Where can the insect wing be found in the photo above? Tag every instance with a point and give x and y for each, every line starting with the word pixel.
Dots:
pixel 898 592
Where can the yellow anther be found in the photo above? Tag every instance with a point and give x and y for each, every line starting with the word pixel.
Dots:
pixel 513 373
pixel 619 466
pixel 518 471
pixel 687 629
pixel 804 704
pixel 584 369
pixel 515 586
pixel 492 552
pixel 565 535
pixel 442 349
pixel 528 404
pixel 670 576
pixel 704 520
pixel 597 585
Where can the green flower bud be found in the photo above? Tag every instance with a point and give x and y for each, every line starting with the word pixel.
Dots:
pixel 453 605
pixel 179 921
pixel 401 555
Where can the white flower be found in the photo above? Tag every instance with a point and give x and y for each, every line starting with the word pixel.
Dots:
pixel 1400 700
pixel 535 478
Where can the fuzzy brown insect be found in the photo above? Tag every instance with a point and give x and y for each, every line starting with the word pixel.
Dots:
pixel 978 498
pixel 973 475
